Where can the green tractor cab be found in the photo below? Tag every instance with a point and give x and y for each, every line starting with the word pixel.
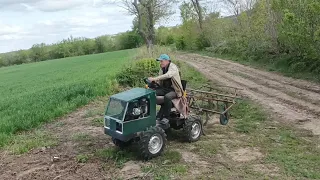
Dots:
pixel 130 116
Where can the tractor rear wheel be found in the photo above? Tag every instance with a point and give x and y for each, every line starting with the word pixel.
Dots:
pixel 192 128
pixel 152 142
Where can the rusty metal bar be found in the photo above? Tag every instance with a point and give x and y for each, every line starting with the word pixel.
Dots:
pixel 209 86
pixel 206 110
pixel 213 99
pixel 206 92
pixel 212 111
pixel 228 108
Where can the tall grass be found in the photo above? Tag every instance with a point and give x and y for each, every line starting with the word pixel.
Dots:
pixel 32 94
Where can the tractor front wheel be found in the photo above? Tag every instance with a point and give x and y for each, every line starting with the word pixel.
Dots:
pixel 152 142
pixel 192 128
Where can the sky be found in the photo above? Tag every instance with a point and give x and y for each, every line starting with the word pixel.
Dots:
pixel 27 22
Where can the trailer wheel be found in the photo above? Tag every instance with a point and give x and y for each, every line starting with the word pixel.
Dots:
pixel 121 144
pixel 224 118
pixel 152 142
pixel 193 128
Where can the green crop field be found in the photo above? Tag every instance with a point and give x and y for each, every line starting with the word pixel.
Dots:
pixel 38 92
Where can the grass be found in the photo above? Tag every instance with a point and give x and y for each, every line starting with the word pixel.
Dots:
pixel 26 141
pixel 98 122
pixel 81 137
pixel 35 93
pixel 170 164
pixel 82 158
pixel 294 151
pixel 115 156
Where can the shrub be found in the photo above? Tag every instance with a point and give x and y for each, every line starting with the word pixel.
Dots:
pixel 202 42
pixel 180 43
pixel 134 74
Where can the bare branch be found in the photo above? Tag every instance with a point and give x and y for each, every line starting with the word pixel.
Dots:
pixel 198 10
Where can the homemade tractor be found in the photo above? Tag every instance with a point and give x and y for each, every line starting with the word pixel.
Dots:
pixel 131 117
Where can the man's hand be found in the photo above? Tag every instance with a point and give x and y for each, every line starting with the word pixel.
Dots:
pixel 150 79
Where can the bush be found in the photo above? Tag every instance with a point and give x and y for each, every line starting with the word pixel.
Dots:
pixel 202 42
pixel 180 43
pixel 134 74
pixel 170 39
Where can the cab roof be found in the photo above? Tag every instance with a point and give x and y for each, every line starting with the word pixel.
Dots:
pixel 132 94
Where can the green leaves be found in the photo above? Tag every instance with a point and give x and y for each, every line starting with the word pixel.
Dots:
pixel 133 74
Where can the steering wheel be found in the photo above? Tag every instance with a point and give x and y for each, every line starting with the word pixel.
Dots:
pixel 152 84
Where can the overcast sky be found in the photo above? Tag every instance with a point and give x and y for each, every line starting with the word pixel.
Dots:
pixel 27 22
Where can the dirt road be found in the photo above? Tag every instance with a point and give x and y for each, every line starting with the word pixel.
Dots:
pixel 293 101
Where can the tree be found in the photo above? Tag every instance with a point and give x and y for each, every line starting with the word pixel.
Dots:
pixel 199 11
pixel 148 13
pixel 39 52
pixel 187 12
pixel 2 63
pixel 238 6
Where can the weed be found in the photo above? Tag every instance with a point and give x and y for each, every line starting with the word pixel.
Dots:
pixel 119 157
pixel 98 122
pixel 82 158
pixel 81 137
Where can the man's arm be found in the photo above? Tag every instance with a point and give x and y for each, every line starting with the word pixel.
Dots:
pixel 171 72
pixel 159 81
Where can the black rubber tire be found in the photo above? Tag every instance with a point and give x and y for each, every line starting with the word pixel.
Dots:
pixel 224 118
pixel 187 128
pixel 121 144
pixel 145 137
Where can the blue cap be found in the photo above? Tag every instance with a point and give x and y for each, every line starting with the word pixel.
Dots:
pixel 163 57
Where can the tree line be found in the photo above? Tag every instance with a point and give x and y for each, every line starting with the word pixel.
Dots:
pixel 281 32
pixel 72 47
pixel 285 33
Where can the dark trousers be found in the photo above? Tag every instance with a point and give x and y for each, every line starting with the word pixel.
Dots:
pixel 168 94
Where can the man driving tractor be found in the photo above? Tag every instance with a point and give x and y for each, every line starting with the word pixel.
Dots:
pixel 170 87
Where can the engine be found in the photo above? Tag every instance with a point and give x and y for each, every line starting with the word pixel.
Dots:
pixel 137 109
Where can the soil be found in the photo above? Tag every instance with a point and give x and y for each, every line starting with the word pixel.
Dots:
pixel 59 162
pixel 293 101
pixel 290 100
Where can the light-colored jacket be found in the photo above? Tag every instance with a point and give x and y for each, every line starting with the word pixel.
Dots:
pixel 180 103
pixel 173 73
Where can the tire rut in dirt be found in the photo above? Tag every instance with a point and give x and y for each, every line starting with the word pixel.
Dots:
pixel 264 90
pixel 310 95
pixel 307 96
pixel 280 95
pixel 298 83
pixel 291 109
pixel 270 92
